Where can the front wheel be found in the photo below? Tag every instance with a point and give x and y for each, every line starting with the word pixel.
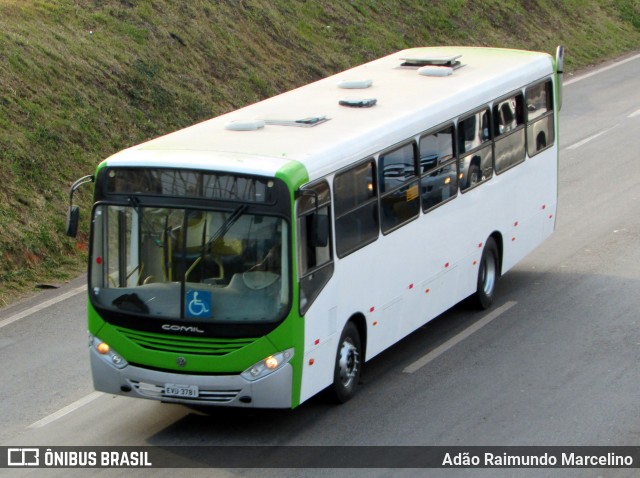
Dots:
pixel 487 275
pixel 346 374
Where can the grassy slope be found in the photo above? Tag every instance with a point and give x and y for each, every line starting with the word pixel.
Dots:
pixel 82 79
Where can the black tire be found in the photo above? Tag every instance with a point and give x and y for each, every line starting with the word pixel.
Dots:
pixel 346 374
pixel 488 274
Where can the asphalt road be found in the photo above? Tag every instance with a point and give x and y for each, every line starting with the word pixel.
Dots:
pixel 557 364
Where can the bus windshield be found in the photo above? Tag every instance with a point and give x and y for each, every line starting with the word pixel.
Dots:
pixel 189 264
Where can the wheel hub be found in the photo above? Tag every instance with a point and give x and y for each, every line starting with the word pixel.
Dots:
pixel 348 363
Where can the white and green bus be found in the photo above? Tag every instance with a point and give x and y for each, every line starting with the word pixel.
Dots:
pixel 260 257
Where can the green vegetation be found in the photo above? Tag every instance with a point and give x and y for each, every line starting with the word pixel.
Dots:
pixel 82 79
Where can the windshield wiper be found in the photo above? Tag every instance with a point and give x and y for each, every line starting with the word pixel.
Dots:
pixel 131 303
pixel 228 223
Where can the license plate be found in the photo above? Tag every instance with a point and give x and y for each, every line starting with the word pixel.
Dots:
pixel 184 391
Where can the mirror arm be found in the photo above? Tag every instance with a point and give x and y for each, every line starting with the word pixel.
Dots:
pixel 83 180
pixel 74 211
pixel 309 192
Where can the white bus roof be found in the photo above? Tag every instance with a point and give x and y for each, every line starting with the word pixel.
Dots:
pixel 406 103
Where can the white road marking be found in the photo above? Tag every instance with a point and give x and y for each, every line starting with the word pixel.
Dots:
pixel 44 305
pixel 452 342
pixel 601 70
pixel 634 114
pixel 586 140
pixel 66 410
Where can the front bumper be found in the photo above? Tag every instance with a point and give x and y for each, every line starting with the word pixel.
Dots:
pixel 272 391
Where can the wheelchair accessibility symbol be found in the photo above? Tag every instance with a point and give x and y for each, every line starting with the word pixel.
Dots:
pixel 198 304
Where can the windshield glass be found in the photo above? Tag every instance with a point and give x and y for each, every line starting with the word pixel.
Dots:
pixel 203 266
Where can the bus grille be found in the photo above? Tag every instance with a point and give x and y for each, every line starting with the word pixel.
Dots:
pixel 150 390
pixel 185 345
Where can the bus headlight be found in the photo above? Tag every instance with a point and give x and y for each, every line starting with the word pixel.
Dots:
pixel 107 353
pixel 267 366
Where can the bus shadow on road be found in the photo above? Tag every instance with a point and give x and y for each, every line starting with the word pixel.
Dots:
pixel 234 426
pixel 554 316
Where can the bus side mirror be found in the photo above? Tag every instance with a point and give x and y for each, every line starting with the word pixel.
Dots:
pixel 73 217
pixel 73 213
pixel 560 71
pixel 320 230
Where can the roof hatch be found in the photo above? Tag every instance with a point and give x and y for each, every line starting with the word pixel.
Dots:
pixel 358 102
pixel 355 84
pixel 451 61
pixel 255 124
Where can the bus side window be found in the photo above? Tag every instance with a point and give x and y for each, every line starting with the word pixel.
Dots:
pixel 315 259
pixel 356 208
pixel 399 198
pixel 439 175
pixel 476 153
pixel 540 127
pixel 509 133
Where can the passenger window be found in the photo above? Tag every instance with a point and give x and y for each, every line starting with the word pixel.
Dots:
pixel 509 133
pixel 399 198
pixel 476 153
pixel 540 124
pixel 356 208
pixel 539 100
pixel 473 131
pixel 314 242
pixel 438 169
pixel 314 234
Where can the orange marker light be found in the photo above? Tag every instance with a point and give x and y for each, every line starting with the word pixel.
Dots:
pixel 271 362
pixel 102 348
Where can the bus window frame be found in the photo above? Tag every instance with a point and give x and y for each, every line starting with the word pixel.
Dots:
pixel 324 270
pixel 453 160
pixel 489 143
pixel 372 200
pixel 546 116
pixel 414 181
pixel 520 127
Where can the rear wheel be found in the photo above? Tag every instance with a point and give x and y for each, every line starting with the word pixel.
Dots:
pixel 346 374
pixel 487 275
